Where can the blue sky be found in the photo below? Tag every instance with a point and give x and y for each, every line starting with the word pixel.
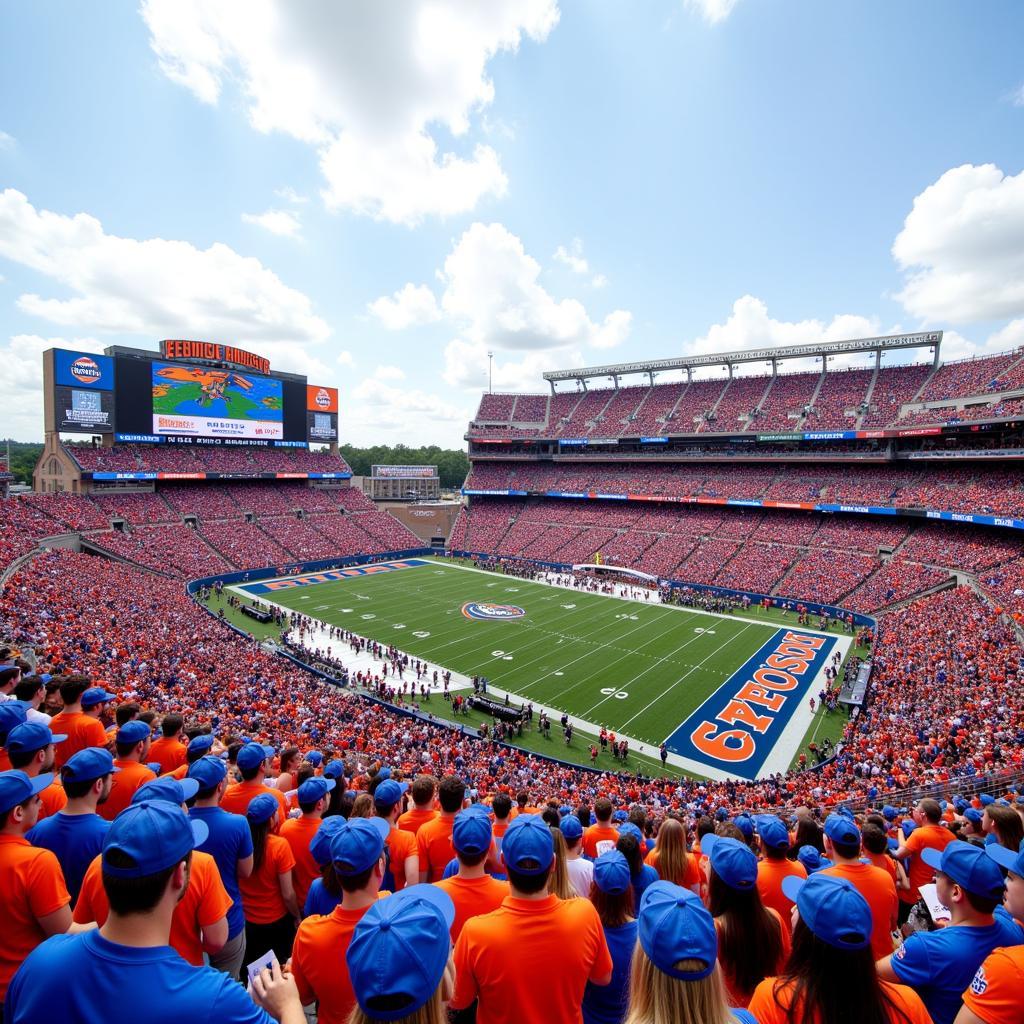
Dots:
pixel 377 196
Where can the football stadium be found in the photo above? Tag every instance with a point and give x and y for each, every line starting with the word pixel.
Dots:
pixel 696 699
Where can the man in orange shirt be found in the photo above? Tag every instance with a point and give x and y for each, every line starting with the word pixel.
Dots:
pixel 423 810
pixel 774 866
pixel 168 751
pixel 402 851
pixel 34 902
pixel 929 834
pixel 318 954
pixel 434 839
pixel 313 797
pixel 603 832
pixel 79 720
pixel 472 890
pixel 252 765
pixel 30 747
pixel 131 742
pixel 532 935
pixel 842 847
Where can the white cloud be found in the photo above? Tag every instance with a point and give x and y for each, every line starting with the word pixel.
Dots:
pixel 1017 96
pixel 573 257
pixel 277 222
pixel 389 373
pixel 466 366
pixel 366 83
pixel 408 414
pixel 345 358
pixel 961 249
pixel 598 281
pixel 411 306
pixel 156 287
pixel 712 11
pixel 289 195
pixel 7 141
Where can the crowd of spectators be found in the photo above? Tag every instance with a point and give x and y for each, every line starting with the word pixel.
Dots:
pixel 164 458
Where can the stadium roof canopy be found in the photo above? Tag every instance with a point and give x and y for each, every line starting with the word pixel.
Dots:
pixel 771 353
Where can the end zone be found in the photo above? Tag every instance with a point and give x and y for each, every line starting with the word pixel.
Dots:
pixel 327 576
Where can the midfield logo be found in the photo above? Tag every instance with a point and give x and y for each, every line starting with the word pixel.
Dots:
pixel 491 612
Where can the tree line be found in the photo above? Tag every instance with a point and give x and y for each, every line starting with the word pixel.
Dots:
pixel 452 464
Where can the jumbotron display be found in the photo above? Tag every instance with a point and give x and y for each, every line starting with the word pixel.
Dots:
pixel 192 392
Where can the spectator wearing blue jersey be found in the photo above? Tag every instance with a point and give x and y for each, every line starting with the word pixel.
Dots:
pixel 612 895
pixel 939 965
pixel 230 844
pixel 75 833
pixel 128 962
pixel 630 845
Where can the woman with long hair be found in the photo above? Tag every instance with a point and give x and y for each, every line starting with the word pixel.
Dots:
pixel 561 884
pixel 1004 823
pixel 611 892
pixel 641 875
pixel 325 892
pixel 753 941
pixel 290 760
pixel 268 895
pixel 672 860
pixel 362 806
pixel 831 976
pixel 808 833
pixel 675 978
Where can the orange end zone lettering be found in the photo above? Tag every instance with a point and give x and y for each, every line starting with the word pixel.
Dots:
pixel 736 712
pixel 775 679
pixel 817 642
pixel 754 694
pixel 709 741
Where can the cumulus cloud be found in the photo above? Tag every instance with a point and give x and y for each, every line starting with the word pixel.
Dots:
pixel 712 11
pixel 289 195
pixel 366 83
pixel 466 366
pixel 345 358
pixel 7 141
pixel 156 287
pixel 573 256
pixel 411 306
pixel 961 250
pixel 277 222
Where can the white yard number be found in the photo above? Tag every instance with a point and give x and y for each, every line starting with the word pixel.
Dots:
pixel 368 616
pixel 610 691
pixel 422 634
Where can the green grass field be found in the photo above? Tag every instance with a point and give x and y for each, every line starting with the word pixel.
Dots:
pixel 638 669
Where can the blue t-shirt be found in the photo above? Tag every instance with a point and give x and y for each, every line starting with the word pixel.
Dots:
pixel 229 842
pixel 319 900
pixel 74 839
pixel 82 979
pixel 607 1004
pixel 643 878
pixel 940 965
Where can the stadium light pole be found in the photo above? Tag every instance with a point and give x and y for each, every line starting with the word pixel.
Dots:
pixel 490 372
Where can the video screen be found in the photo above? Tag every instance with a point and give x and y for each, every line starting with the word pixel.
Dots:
pixel 203 402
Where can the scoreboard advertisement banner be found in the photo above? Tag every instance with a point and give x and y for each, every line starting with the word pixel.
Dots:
pixel 321 413
pixel 406 472
pixel 83 392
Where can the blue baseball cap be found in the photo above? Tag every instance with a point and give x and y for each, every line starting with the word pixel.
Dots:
pixel 734 862
pixel 968 866
pixel 620 816
pixel 986 799
pixel 208 771
pixel 841 830
pixel 87 765
pixel 1007 858
pixel 611 873
pixel 334 770
pixel 252 755
pixel 389 792
pixel 832 908
pixel 889 812
pixel 358 845
pixel 96 695
pixel 960 804
pixel 173 791
pixel 399 951
pixel 528 846
pixel 30 737
pixel 772 831
pixel 204 741
pixel 262 808
pixel 320 844
pixel 812 860
pixel 745 824
pixel 315 789
pixel 908 827
pixel 973 815
pixel 155 835
pixel 315 757
pixel 674 925
pixel 471 832
pixel 571 828
pixel 16 787
pixel 630 828
pixel 12 713
pixel 133 732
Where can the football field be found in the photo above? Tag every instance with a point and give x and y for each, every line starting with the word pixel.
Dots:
pixel 727 694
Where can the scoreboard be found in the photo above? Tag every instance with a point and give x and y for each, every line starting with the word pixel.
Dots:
pixel 193 392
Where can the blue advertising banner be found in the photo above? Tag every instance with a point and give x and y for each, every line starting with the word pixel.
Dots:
pixel 82 370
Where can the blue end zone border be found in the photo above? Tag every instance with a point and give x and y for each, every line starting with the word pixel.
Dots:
pixel 737 727
pixel 327 576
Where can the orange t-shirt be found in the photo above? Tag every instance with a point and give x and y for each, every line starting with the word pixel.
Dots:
pixel 318 963
pixel 599 834
pixel 168 753
pixel 920 874
pixel 298 832
pixel 31 886
pixel 261 891
pixel 472 897
pixel 81 731
pixel 738 997
pixel 883 861
pixel 123 785
pixel 995 992
pixel 434 847
pixel 529 961
pixel 878 888
pixel 770 874
pixel 205 902
pixel 771 1007
pixel 693 877
pixel 412 821
pixel 238 796
pixel 53 799
pixel 401 846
